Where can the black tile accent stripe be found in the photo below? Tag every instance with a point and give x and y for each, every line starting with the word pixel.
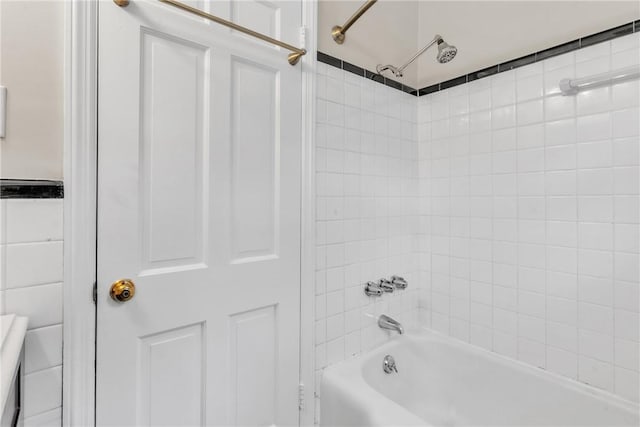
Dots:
pixel 620 31
pixel 558 50
pixel 369 75
pixel 375 77
pixel 392 83
pixel 429 89
pixel 453 82
pixel 353 68
pixel 525 60
pixel 329 60
pixel 30 189
pixel 482 73
pixel 610 34
pixel 409 90
pixel 343 65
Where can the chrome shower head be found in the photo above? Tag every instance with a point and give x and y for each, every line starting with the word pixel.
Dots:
pixel 446 52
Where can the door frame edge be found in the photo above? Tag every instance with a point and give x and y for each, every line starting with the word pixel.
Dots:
pixel 307 414
pixel 80 191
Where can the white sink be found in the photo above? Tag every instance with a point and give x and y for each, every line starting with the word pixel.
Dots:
pixel 12 331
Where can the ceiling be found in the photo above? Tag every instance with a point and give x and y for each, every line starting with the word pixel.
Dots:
pixel 485 32
pixel 387 33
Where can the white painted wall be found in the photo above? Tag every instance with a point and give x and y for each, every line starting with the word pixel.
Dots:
pixel 31 285
pixel 530 212
pixel 31 67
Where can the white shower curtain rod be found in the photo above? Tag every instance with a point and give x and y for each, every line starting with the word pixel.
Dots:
pixel 573 86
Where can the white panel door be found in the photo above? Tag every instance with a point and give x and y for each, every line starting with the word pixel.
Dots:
pixel 198 204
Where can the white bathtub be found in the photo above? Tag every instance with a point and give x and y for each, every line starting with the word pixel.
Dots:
pixel 443 382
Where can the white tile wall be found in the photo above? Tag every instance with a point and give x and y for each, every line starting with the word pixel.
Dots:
pixel 529 216
pixel 367 188
pixel 31 285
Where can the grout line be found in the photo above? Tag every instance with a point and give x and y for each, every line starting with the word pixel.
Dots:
pixel 37 371
pixel 517 233
pixel 45 413
pixel 493 261
pixel 545 173
pixel 31 242
pixel 468 238
pixel 13 288
pixel 613 250
pixel 44 327
pixel 577 225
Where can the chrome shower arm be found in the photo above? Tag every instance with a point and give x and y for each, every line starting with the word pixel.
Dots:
pixel 445 54
pixel 435 40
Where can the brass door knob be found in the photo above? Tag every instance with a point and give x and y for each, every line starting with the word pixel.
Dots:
pixel 122 290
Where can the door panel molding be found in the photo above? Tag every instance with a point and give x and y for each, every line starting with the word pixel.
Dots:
pixel 255 171
pixel 183 349
pixel 251 330
pixel 168 143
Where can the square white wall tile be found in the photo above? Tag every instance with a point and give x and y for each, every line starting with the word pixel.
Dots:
pixel 627 384
pixel 51 418
pixel 33 220
pixel 596 373
pixel 43 348
pixel 31 267
pixel 562 362
pixel 555 194
pixel 29 264
pixel 43 391
pixel 42 304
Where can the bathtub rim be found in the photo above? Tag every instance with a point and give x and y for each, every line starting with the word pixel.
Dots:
pixel 559 379
pixel 348 375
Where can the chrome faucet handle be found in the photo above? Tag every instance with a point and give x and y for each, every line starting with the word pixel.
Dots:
pixel 386 285
pixel 372 289
pixel 399 282
pixel 389 364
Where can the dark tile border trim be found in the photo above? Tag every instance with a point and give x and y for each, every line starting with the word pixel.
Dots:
pixel 30 189
pixel 612 33
pixel 344 65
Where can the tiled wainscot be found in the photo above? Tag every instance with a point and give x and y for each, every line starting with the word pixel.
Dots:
pixel 31 262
